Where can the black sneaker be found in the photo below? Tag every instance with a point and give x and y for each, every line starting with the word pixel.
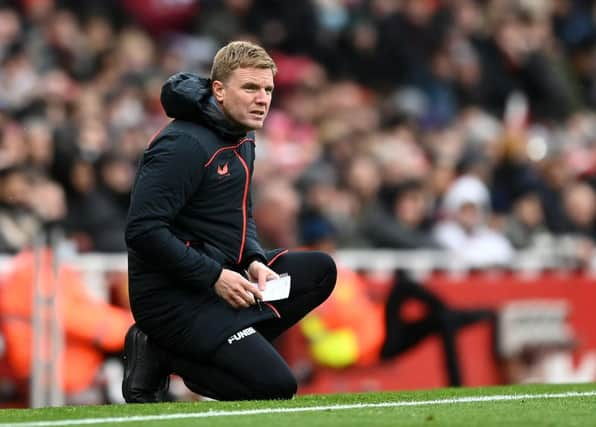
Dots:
pixel 146 380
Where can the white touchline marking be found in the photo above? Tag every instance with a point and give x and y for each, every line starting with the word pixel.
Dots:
pixel 212 413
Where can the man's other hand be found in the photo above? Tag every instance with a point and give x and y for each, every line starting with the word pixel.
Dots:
pixel 236 290
pixel 260 273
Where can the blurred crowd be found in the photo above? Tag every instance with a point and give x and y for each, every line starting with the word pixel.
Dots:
pixel 465 125
pixel 458 124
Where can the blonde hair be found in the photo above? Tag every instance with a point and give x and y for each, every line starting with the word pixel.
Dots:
pixel 239 54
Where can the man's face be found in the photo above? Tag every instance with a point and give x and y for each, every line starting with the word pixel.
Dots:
pixel 246 96
pixel 410 208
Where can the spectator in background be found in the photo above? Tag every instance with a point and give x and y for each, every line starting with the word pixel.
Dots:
pixel 465 231
pixel 46 199
pixel 224 23
pixel 18 80
pixel 93 328
pixel 579 204
pixel 115 176
pixel 581 54
pixel 98 202
pixel 518 56
pixel 162 15
pixel 10 29
pixel 322 196
pixel 18 224
pixel 81 197
pixel 13 147
pixel 525 227
pixel 555 176
pixel 363 179
pixel 400 220
pixel 28 203
pixel 276 207
pixel 40 144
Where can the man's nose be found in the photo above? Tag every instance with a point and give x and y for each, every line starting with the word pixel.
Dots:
pixel 262 97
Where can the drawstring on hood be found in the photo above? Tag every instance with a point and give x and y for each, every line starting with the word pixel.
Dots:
pixel 187 96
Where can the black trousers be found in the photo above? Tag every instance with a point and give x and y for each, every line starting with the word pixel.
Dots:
pixel 247 366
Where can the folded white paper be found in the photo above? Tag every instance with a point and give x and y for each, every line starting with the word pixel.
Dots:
pixel 277 289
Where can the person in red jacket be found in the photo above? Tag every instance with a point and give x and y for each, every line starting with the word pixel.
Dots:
pixel 92 328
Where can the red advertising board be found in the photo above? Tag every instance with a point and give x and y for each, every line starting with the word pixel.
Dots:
pixel 422 367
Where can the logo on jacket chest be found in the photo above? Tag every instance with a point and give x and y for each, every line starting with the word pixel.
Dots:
pixel 223 170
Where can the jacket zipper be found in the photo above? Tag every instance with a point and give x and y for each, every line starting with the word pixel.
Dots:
pixel 245 219
pixel 244 202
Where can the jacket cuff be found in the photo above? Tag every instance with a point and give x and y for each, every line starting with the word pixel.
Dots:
pixel 253 257
pixel 216 272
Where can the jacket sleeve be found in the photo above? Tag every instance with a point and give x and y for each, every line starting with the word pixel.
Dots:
pixel 170 173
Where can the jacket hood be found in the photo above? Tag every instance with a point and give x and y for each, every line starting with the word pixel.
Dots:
pixel 186 96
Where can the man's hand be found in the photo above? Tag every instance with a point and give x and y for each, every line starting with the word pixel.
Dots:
pixel 260 273
pixel 236 290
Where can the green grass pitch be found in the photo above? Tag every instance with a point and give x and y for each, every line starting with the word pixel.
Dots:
pixel 530 405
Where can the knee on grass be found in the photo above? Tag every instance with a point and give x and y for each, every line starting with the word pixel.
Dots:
pixel 280 386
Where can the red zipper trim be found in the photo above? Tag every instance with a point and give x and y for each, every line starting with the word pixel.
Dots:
pixel 229 147
pixel 244 201
pixel 273 308
pixel 270 263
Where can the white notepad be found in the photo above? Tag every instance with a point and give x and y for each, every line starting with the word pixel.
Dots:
pixel 277 289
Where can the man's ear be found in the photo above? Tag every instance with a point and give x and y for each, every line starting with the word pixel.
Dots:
pixel 218 89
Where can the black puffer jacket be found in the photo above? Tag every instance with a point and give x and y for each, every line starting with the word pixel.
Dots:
pixel 193 188
pixel 190 216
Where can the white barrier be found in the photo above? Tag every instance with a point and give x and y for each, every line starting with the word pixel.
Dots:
pixel 559 257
